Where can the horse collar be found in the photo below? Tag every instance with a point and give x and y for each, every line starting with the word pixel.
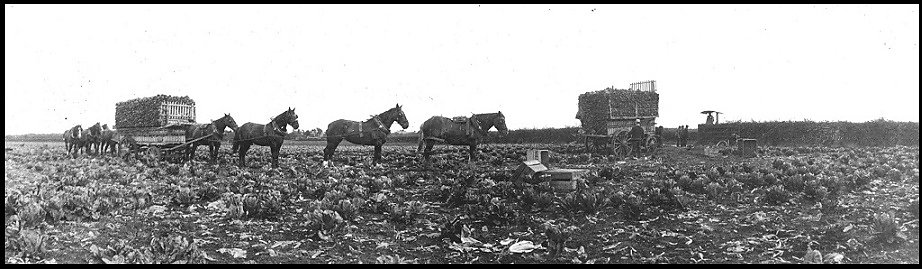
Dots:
pixel 381 124
pixel 276 129
pixel 475 124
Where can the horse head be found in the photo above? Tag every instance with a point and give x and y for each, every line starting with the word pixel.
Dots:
pixel 500 122
pixel 401 117
pixel 226 121
pixel 290 118
pixel 77 131
pixel 95 129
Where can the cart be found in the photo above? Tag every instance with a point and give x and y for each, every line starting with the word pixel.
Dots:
pixel 164 142
pixel 607 117
pixel 716 134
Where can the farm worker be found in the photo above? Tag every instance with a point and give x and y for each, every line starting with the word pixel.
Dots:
pixel 636 136
pixel 683 136
pixel 710 119
pixel 659 136
pixel 678 136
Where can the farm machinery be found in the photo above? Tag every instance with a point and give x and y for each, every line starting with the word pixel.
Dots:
pixel 608 115
pixel 719 137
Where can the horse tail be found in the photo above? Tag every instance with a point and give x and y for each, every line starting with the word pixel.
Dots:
pixel 419 148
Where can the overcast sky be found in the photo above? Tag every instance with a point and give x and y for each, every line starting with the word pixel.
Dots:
pixel 70 64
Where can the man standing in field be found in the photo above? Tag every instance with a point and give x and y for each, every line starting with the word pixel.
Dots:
pixel 683 136
pixel 678 136
pixel 636 137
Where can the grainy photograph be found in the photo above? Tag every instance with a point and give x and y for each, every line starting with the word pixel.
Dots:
pixel 484 134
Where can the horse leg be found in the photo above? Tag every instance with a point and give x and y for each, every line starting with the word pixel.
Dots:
pixel 377 157
pixel 422 141
pixel 190 152
pixel 428 152
pixel 242 154
pixel 275 154
pixel 331 148
pixel 214 152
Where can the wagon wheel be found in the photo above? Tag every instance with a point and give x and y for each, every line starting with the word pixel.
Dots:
pixel 154 152
pixel 723 144
pixel 651 144
pixel 620 145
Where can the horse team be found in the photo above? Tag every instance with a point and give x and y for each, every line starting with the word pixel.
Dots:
pixel 463 131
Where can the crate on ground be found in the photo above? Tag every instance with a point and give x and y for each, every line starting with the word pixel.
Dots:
pixel 564 179
pixel 541 155
pixel 746 147
pixel 528 171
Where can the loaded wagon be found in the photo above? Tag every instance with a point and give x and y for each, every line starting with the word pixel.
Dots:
pixel 155 125
pixel 714 133
pixel 608 115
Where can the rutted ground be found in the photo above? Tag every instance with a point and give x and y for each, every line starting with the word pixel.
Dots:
pixel 791 205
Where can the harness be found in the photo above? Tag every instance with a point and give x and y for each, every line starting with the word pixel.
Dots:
pixel 473 125
pixel 214 132
pixel 380 127
pixel 266 131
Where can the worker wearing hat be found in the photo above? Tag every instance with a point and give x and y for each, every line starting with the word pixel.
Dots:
pixel 636 137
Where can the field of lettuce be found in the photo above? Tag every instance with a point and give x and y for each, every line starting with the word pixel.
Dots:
pixel 790 205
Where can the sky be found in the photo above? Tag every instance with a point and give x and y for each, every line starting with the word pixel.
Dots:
pixel 70 64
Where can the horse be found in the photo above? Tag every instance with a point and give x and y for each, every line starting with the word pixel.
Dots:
pixel 215 133
pixel 109 139
pixel 271 135
pixel 459 131
pixel 91 138
pixel 372 132
pixel 72 137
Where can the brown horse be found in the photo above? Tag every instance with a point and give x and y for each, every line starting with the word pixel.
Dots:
pixel 108 140
pixel 372 132
pixel 90 139
pixel 271 135
pixel 215 133
pixel 459 131
pixel 72 139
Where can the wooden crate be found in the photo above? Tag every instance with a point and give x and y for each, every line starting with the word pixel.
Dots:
pixel 746 147
pixel 540 155
pixel 528 172
pixel 565 179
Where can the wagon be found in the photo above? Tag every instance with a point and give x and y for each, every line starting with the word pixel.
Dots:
pixel 717 134
pixel 155 126
pixel 607 117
